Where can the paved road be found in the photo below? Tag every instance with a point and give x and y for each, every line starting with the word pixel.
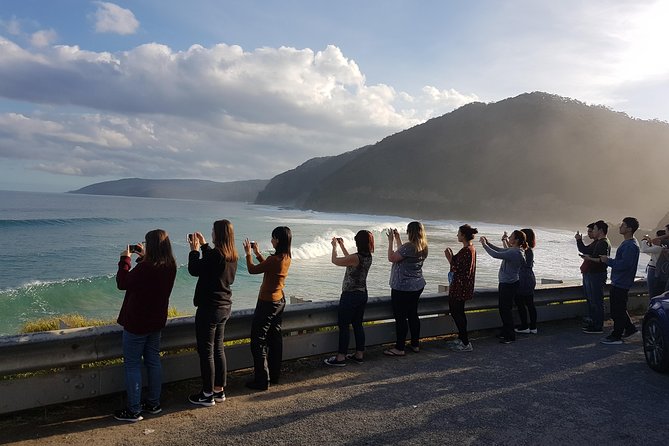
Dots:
pixel 559 387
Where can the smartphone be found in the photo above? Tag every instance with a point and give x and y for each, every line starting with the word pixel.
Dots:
pixel 340 240
pixel 135 248
pixel 252 243
pixel 190 237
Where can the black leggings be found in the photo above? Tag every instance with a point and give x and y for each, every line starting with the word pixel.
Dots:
pixel 209 329
pixel 525 305
pixel 405 310
pixel 457 310
pixel 266 341
pixel 507 293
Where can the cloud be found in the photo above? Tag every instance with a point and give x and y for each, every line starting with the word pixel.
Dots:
pixel 11 26
pixel 219 113
pixel 111 18
pixel 43 38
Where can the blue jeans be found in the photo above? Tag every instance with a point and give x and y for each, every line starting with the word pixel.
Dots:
pixel 351 311
pixel 134 348
pixel 594 285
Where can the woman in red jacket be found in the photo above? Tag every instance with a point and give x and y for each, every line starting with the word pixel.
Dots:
pixel 461 289
pixel 143 315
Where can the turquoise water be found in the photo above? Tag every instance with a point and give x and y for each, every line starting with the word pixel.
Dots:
pixel 61 250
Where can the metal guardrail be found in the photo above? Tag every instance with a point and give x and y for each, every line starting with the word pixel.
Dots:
pixel 68 349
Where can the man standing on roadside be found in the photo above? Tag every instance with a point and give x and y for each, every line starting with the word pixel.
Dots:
pixel 623 271
pixel 594 274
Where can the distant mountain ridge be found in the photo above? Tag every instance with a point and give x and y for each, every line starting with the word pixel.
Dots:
pixel 246 191
pixel 537 159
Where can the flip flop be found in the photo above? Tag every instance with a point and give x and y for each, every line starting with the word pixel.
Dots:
pixel 390 352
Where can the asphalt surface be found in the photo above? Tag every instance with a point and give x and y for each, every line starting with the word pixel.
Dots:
pixel 560 387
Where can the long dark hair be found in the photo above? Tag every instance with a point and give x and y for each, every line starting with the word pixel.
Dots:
pixel 364 241
pixel 158 249
pixel 522 239
pixel 531 239
pixel 284 237
pixel 468 232
pixel 224 240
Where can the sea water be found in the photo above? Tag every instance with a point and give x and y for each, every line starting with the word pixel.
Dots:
pixel 60 251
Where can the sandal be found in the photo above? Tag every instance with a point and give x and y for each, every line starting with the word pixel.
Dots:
pixel 352 357
pixel 393 352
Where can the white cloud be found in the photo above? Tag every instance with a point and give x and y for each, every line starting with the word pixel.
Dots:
pixel 11 26
pixel 44 37
pixel 217 113
pixel 111 18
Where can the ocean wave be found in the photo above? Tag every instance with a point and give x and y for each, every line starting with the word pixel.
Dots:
pixel 36 285
pixel 57 221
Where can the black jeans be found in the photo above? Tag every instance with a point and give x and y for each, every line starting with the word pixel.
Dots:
pixel 621 319
pixel 351 311
pixel 526 306
pixel 457 310
pixel 405 310
pixel 266 341
pixel 507 294
pixel 209 328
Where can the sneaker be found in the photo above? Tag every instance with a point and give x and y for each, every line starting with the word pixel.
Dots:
pixel 151 408
pixel 533 331
pixel 352 357
pixel 462 347
pixel 256 386
pixel 522 330
pixel 202 400
pixel 454 343
pixel 126 415
pixel 593 330
pixel 630 332
pixel 219 397
pixel 611 340
pixel 332 360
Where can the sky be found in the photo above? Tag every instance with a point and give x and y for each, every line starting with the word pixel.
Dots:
pixel 225 90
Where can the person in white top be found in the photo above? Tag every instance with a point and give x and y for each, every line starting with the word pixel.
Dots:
pixel 655 251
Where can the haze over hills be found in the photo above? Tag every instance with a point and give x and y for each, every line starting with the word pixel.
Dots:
pixel 535 159
pixel 188 189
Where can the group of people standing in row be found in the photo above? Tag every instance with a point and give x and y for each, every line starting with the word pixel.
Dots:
pixel 148 286
pixel 144 311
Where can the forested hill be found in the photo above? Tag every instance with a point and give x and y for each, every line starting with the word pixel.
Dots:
pixel 188 189
pixel 534 159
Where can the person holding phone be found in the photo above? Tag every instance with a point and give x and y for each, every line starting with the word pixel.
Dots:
pixel 594 274
pixel 461 289
pixel 143 315
pixel 215 271
pixel 353 295
pixel 266 338
pixel 512 258
pixel 406 284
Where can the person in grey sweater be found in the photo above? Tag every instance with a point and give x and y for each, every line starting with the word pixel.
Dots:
pixel 512 258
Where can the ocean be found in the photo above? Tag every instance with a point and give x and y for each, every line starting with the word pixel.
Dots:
pixel 60 251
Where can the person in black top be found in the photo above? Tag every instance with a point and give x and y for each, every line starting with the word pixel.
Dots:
pixel 215 271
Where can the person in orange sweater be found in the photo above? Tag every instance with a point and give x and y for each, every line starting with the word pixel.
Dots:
pixel 266 341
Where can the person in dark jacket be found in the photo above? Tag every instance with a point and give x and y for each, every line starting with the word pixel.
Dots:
pixel 527 283
pixel 215 272
pixel 143 315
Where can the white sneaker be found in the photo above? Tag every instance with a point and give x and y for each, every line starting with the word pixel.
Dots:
pixel 462 347
pixel 533 331
pixel 525 331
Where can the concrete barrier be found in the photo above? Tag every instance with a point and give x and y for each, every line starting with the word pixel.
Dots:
pixel 45 368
